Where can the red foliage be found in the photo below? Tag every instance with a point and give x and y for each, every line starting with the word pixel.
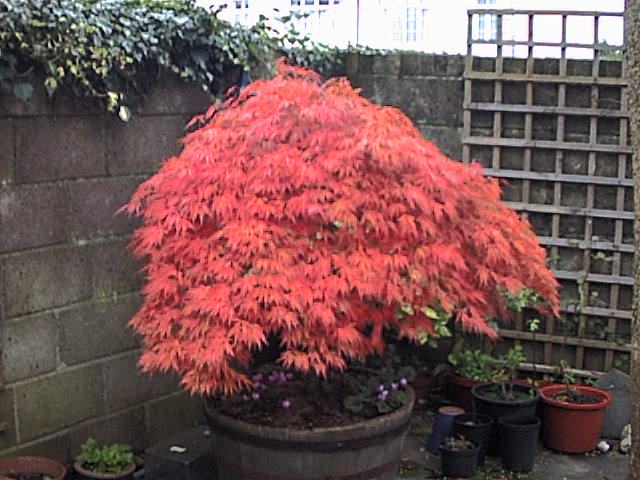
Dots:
pixel 304 210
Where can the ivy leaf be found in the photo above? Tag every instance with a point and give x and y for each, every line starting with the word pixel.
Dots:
pixel 124 113
pixel 50 85
pixel 23 91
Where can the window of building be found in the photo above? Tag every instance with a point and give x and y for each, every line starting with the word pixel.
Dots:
pixel 406 22
pixel 487 27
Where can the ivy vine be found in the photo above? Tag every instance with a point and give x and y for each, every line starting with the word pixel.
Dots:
pixel 113 50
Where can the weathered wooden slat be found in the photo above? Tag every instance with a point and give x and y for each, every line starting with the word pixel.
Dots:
pixel 559 339
pixel 544 109
pixel 590 212
pixel 568 13
pixel 562 177
pixel 546 144
pixel 547 78
pixel 592 277
pixel 574 243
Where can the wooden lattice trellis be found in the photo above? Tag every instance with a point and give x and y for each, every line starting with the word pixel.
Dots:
pixel 555 129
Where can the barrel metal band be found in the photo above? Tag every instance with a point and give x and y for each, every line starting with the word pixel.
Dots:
pixel 331 446
pixel 255 475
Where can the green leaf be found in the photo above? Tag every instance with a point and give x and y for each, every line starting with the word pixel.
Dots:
pixel 124 113
pixel 50 85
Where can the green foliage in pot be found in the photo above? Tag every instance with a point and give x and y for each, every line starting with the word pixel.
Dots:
pixel 113 458
pixel 471 363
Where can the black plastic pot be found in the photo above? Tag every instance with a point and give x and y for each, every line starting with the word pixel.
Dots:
pixel 518 441
pixel 459 463
pixel 487 403
pixel 475 427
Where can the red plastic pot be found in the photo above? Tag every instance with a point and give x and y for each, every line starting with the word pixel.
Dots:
pixel 460 391
pixel 571 427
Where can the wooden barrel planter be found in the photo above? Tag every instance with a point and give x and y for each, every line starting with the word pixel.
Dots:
pixel 368 450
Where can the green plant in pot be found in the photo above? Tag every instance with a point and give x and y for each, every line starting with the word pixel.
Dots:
pixel 302 216
pixel 502 396
pixel 113 461
pixel 465 368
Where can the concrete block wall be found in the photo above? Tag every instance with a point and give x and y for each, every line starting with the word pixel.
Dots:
pixel 428 88
pixel 68 285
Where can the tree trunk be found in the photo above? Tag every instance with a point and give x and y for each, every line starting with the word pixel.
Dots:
pixel 632 59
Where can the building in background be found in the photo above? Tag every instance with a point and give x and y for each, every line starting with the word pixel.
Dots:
pixel 434 26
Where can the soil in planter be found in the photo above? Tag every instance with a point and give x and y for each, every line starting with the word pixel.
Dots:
pixel 303 402
pixel 575 396
pixel 457 444
pixel 25 476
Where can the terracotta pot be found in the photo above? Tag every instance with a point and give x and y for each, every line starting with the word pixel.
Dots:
pixel 45 466
pixel 422 388
pixel 368 449
pixel 460 391
pixel 125 474
pixel 572 427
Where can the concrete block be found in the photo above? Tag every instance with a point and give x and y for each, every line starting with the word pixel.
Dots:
pixel 114 269
pixel 59 148
pixel 8 438
pixel 93 205
pixel 143 143
pixel 427 101
pixel 455 65
pixel 7 150
pixel 127 386
pixel 386 64
pixel 38 104
pixel 55 446
pixel 410 64
pixel 365 64
pixel 38 280
pixel 618 413
pixel 30 347
pixel 195 463
pixel 172 95
pixel 33 216
pixel 351 64
pixel 60 400
pixel 96 329
pixel 447 139
pixel 172 414
pixel 123 427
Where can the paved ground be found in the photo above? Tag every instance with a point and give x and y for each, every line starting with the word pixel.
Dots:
pixel 549 465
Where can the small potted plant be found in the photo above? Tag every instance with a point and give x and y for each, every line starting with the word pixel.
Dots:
pixel 572 415
pixel 302 215
pixel 458 457
pixel 466 367
pixel 108 462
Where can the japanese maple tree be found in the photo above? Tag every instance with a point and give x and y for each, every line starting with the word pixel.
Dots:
pixel 302 210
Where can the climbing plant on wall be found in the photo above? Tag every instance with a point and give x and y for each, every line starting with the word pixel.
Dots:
pixel 112 50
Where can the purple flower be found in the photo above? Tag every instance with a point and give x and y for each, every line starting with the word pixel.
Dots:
pixel 289 376
pixel 382 396
pixel 255 395
pixel 394 386
pixel 245 396
pixel 380 388
pixel 257 378
pixel 403 381
pixel 286 404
